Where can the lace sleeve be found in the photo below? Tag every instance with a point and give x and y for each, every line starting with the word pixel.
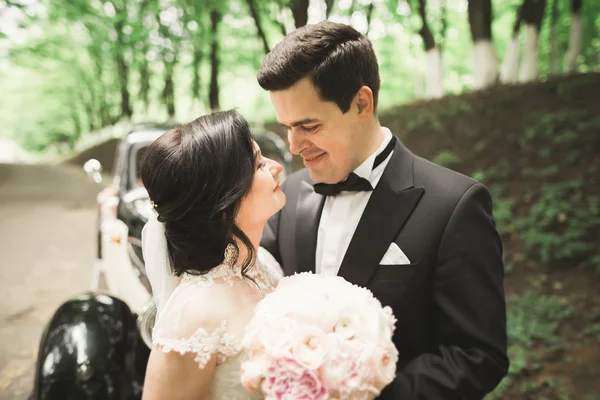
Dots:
pixel 203 344
pixel 196 320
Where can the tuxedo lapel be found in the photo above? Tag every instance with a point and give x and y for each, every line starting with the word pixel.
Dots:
pixel 390 205
pixel 308 215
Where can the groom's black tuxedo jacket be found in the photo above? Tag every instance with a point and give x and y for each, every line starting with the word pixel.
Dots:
pixel 449 302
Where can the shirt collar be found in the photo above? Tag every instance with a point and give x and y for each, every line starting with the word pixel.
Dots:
pixel 365 170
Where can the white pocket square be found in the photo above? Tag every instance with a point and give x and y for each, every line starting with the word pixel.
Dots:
pixel 394 256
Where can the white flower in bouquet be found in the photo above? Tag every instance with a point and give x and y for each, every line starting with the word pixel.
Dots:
pixel 318 337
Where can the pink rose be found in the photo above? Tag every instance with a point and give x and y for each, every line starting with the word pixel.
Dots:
pixel 287 379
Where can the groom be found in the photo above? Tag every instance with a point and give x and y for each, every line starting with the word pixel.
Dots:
pixel 422 238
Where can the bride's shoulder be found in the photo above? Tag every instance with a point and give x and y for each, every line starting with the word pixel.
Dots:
pixel 196 319
pixel 198 301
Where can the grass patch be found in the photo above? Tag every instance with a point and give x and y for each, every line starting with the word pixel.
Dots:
pixel 558 224
pixel 532 321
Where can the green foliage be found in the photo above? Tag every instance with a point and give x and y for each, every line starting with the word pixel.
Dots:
pixel 88 50
pixel 531 172
pixel 556 127
pixel 456 107
pixel 503 214
pixel 558 224
pixel 593 330
pixel 595 262
pixel 500 171
pixel 532 323
pixel 533 319
pixel 424 118
pixel 446 158
pixel 479 175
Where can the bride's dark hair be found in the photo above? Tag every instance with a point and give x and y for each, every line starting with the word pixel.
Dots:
pixel 197 175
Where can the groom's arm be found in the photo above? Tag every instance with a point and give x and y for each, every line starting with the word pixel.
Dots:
pixel 469 319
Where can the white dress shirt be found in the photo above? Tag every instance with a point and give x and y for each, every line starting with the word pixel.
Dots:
pixel 342 213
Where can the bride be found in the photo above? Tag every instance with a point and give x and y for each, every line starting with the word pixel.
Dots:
pixel 212 192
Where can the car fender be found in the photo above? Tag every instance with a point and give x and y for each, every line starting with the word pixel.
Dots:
pixel 91 349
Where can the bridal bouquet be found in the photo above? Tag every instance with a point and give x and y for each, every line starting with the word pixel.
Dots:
pixel 318 337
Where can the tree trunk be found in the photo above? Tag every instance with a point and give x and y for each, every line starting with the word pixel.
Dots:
pixel 169 58
pixel 213 96
pixel 281 26
pixel 122 67
pixel 300 12
pixel 575 37
pixel 554 61
pixel 196 64
pixel 280 18
pixel 77 126
pixel 169 89
pixel 370 9
pixel 433 56
pixel 103 112
pixel 144 93
pixel 73 106
pixel 484 55
pixel 256 17
pixel 425 32
pixel 510 65
pixel 15 4
pixel 87 97
pixel 329 5
pixel 352 8
pixel 93 81
pixel 98 87
pixel 145 78
pixel 533 13
pixel 91 108
pixel 123 71
pixel 444 29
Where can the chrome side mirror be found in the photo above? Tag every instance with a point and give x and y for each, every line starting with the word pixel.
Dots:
pixel 145 321
pixel 93 169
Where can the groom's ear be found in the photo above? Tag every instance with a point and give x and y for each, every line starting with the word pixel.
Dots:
pixel 364 103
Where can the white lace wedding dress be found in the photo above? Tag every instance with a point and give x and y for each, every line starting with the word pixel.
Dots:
pixel 207 315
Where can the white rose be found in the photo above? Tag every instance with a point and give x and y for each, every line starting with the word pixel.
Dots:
pixel 277 340
pixel 381 364
pixel 309 347
pixel 253 372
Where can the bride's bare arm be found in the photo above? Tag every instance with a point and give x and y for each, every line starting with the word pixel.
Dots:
pixel 173 376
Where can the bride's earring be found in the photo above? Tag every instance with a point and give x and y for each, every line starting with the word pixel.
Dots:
pixel 231 255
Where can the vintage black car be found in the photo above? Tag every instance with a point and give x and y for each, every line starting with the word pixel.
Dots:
pixel 97 344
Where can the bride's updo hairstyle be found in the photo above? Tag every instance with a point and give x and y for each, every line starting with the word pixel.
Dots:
pixel 196 176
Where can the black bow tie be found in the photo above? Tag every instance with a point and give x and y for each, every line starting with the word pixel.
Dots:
pixel 354 183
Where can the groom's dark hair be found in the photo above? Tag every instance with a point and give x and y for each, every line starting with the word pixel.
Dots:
pixel 336 58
